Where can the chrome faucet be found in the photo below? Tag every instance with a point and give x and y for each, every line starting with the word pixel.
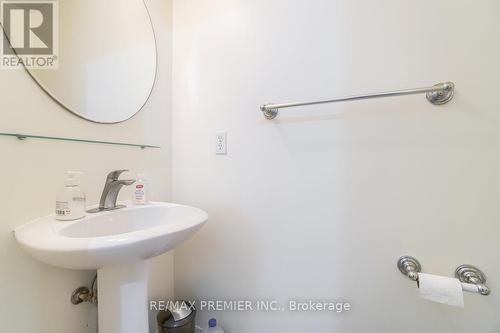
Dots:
pixel 112 187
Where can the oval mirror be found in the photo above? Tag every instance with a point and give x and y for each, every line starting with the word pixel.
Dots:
pixel 106 59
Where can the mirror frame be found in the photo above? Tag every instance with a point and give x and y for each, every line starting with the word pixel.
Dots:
pixel 60 103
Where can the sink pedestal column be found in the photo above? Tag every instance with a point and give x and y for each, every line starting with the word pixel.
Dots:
pixel 123 298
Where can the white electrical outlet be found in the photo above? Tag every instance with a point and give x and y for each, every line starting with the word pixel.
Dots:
pixel 221 143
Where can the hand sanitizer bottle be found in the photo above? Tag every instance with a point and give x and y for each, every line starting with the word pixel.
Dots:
pixel 70 203
pixel 212 327
pixel 141 189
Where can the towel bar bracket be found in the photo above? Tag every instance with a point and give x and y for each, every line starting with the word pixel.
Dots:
pixel 443 95
pixel 269 114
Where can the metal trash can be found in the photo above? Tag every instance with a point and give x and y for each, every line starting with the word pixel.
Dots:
pixel 178 318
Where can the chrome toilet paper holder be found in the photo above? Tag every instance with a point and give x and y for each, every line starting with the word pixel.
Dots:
pixel 471 277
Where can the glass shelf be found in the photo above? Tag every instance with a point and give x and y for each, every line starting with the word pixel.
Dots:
pixel 41 137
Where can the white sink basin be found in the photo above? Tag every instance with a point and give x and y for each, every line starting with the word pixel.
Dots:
pixel 118 244
pixel 111 238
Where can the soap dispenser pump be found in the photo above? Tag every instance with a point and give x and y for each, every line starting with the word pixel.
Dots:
pixel 70 202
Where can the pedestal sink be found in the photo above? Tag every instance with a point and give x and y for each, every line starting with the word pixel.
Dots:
pixel 118 245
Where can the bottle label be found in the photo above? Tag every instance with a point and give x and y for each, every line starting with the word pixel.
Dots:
pixel 140 194
pixel 62 208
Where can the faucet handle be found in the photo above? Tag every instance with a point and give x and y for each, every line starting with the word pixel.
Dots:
pixel 114 175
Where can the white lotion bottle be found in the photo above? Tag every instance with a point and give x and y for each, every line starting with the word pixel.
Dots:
pixel 70 202
pixel 141 190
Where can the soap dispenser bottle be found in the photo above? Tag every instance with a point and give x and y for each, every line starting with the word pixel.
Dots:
pixel 141 190
pixel 70 202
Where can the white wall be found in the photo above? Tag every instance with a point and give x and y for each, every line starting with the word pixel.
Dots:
pixel 320 203
pixel 34 297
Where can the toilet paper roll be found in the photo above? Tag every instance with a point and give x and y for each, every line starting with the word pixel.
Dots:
pixel 441 289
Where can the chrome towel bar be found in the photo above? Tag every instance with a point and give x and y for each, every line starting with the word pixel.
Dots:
pixel 438 94
pixel 472 278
